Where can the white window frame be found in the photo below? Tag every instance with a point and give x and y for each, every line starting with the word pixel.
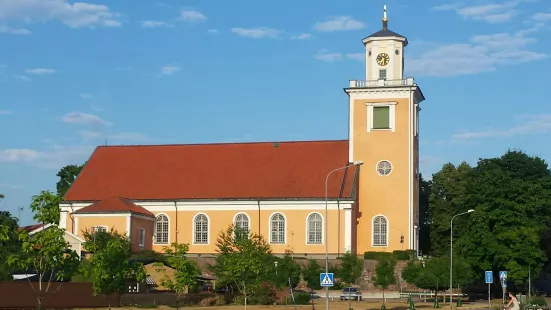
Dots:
pixel 168 229
pixel 248 221
pixel 379 216
pixel 381 71
pixel 194 236
pixel 271 222
pixel 141 238
pixel 391 114
pixel 308 229
pixel 100 228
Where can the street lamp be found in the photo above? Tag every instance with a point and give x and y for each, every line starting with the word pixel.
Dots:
pixel 451 252
pixel 355 163
pixel 275 264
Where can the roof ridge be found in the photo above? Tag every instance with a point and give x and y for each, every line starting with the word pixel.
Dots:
pixel 223 143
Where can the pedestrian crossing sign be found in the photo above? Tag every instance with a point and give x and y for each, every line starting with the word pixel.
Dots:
pixel 326 279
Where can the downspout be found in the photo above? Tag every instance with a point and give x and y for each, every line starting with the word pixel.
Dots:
pixel 339 227
pixel 72 218
pixel 258 204
pixel 176 230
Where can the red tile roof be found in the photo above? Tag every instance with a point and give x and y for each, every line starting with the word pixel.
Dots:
pixel 215 171
pixel 31 228
pixel 114 205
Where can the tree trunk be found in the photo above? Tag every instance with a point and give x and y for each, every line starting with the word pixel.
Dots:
pixel 245 300
pixel 384 298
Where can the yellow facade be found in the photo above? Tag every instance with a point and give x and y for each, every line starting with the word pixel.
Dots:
pixel 295 232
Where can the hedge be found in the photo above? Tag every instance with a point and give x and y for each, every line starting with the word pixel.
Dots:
pixel 398 255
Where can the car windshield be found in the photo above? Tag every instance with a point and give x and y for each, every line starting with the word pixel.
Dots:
pixel 350 290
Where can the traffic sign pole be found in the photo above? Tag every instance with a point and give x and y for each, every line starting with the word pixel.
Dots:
pixel 489 277
pixel 503 280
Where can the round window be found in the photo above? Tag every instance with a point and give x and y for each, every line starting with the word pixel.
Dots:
pixel 384 167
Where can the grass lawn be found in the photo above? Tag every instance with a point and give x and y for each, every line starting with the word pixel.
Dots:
pixel 336 305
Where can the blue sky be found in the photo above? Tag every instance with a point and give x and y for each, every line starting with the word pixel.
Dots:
pixel 144 72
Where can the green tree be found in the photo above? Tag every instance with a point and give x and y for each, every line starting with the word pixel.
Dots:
pixel 185 270
pixel 512 199
pixel 286 268
pixel 434 274
pixel 10 246
pixel 67 175
pixel 111 265
pixel 449 195
pixel 241 262
pixel 2 196
pixel 311 274
pixel 46 207
pixel 46 253
pixel 424 215
pixel 384 274
pixel 350 268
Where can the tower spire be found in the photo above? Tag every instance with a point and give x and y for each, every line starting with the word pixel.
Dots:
pixel 385 19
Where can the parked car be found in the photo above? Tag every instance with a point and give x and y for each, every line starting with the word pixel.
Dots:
pixel 351 293
pixel 313 294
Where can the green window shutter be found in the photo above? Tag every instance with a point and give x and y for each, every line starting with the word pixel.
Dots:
pixel 381 117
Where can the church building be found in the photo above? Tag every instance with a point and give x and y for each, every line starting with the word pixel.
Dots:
pixel 359 194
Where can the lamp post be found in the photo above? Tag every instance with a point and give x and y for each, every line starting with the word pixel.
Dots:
pixel 355 163
pixel 451 252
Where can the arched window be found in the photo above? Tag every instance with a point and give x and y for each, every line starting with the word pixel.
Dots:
pixel 161 229
pixel 277 228
pixel 242 224
pixel 315 228
pixel 380 231
pixel 201 229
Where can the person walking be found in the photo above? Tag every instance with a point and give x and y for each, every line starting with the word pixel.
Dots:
pixel 513 301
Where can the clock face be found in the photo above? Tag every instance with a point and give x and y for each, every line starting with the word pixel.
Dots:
pixel 383 59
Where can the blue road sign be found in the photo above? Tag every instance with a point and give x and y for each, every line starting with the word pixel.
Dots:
pixel 503 274
pixel 489 276
pixel 326 279
pixel 504 283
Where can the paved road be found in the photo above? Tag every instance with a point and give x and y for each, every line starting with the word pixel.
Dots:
pixel 335 295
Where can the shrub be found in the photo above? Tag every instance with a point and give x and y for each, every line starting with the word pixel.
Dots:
pixel 302 298
pixel 401 255
pixel 535 303
pixel 377 255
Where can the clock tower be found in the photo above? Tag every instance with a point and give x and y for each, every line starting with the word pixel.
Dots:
pixel 384 134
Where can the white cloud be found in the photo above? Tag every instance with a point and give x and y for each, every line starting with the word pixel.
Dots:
pixel 542 17
pixel 212 31
pixel 118 137
pixel 192 16
pixel 80 118
pixel 74 15
pixel 356 56
pixel 325 55
pixel 526 125
pixel 340 23
pixel 86 96
pixel 53 158
pixel 155 24
pixel 302 36
pixel 482 54
pixel 21 78
pixel 16 31
pixel 169 70
pixel 492 13
pixel 40 71
pixel 5 112
pixel 256 33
